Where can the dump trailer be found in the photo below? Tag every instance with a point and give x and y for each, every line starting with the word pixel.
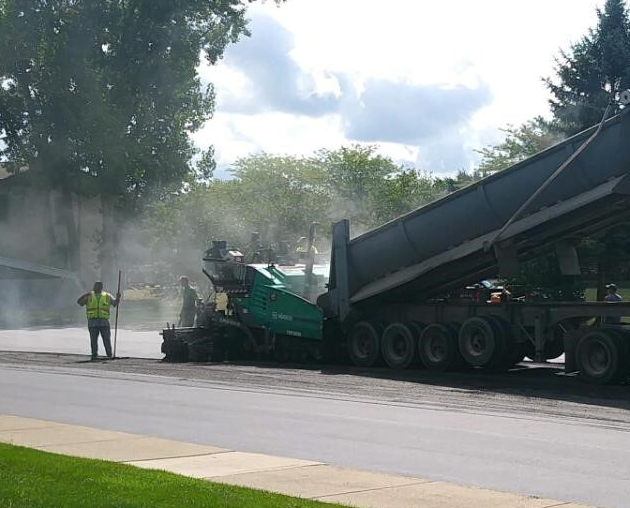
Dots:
pixel 382 302
pixel 384 285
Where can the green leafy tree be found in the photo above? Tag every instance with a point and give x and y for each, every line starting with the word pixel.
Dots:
pixel 589 77
pixel 103 94
pixel 519 143
pixel 356 175
pixel 402 192
pixel 279 197
pixel 593 71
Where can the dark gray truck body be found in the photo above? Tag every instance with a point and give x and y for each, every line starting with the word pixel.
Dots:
pixel 387 273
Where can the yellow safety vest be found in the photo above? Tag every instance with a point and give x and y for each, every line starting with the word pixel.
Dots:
pixel 98 307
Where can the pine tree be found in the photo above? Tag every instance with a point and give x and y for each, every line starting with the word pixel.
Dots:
pixel 593 71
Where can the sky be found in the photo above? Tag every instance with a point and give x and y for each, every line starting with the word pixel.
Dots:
pixel 428 82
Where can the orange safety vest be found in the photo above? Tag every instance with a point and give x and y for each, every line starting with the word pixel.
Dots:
pixel 98 307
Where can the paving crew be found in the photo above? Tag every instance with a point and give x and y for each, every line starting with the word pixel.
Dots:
pixel 612 296
pixel 302 249
pixel 97 304
pixel 189 303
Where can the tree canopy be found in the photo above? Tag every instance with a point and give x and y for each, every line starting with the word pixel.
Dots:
pixel 520 142
pixel 593 71
pixel 280 196
pixel 101 96
pixel 109 88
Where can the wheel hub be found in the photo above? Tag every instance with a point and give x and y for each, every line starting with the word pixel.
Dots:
pixel 437 349
pixel 477 344
pixel 399 347
pixel 363 346
pixel 598 358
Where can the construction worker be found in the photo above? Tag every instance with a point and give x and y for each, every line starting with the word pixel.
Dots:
pixel 302 249
pixel 97 304
pixel 612 296
pixel 189 303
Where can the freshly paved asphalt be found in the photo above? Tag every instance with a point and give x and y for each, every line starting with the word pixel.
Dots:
pixel 568 459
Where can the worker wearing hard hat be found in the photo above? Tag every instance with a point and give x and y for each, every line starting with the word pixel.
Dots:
pixel 612 296
pixel 97 304
pixel 189 303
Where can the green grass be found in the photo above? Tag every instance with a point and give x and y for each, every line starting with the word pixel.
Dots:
pixel 34 479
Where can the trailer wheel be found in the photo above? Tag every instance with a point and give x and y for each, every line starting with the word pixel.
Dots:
pixel 507 354
pixel 518 353
pixel 602 357
pixel 480 342
pixel 438 348
pixel 364 344
pixel 554 345
pixel 398 345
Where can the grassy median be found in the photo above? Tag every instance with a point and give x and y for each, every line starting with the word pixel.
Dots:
pixel 34 479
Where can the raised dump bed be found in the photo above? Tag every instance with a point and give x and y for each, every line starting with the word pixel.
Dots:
pixel 451 242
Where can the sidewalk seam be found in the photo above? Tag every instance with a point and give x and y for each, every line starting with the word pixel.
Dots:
pixel 221 452
pixel 281 468
pixel 18 429
pixel 217 478
pixel 421 482
pixel 62 444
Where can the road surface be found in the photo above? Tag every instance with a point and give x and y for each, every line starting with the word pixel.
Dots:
pixel 512 433
pixel 134 343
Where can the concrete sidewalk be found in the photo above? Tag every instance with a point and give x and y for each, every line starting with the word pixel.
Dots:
pixel 293 477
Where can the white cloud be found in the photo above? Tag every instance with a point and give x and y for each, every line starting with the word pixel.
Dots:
pixel 293 87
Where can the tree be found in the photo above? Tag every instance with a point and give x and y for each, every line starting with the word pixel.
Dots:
pixel 279 197
pixel 356 176
pixel 519 143
pixel 108 90
pixel 589 77
pixel 592 72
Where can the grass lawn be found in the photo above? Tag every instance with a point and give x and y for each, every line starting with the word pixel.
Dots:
pixel 34 479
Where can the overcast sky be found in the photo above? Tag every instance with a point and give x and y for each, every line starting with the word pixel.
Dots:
pixel 427 81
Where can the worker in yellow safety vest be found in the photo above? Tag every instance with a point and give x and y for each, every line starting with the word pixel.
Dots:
pixel 97 303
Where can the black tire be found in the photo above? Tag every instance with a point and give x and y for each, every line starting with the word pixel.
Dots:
pixel 506 352
pixel 554 345
pixel 602 357
pixel 553 348
pixel 480 342
pixel 364 344
pixel 518 353
pixel 398 345
pixel 438 349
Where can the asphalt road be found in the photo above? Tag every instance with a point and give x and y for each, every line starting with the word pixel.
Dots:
pixel 469 429
pixel 75 340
